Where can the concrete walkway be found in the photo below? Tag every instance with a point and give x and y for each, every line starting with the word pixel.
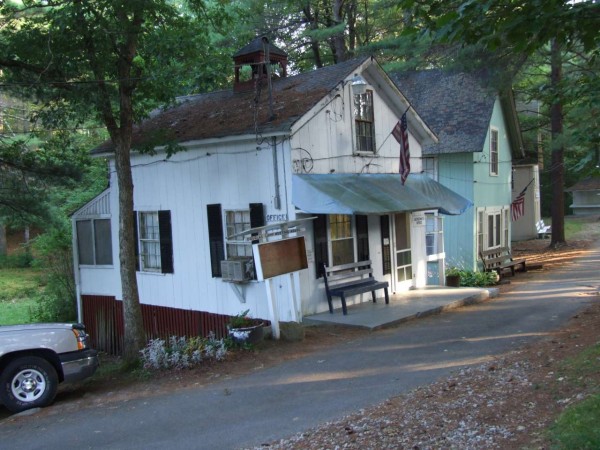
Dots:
pixel 403 307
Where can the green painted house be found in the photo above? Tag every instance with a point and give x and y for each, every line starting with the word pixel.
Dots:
pixel 479 138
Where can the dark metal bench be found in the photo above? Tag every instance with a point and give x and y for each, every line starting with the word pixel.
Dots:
pixel 500 259
pixel 351 279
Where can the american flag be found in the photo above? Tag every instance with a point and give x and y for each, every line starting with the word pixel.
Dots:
pixel 517 207
pixel 400 132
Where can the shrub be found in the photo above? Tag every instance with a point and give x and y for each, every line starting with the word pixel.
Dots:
pixel 180 353
pixel 58 301
pixel 471 278
pixel 21 259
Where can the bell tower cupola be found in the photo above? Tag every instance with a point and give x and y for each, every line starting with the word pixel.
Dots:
pixel 256 61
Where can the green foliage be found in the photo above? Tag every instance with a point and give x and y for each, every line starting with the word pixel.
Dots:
pixel 526 25
pixel 577 427
pixel 17 284
pixel 18 290
pixel 72 55
pixel 57 303
pixel 242 320
pixel 20 259
pixel 453 271
pixel 31 175
pixel 470 278
pixel 17 311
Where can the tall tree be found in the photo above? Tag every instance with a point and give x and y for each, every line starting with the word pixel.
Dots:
pixel 314 32
pixel 112 60
pixel 521 27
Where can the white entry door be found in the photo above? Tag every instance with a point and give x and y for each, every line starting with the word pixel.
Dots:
pixel 402 261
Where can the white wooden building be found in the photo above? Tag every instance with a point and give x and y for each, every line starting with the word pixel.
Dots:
pixel 249 163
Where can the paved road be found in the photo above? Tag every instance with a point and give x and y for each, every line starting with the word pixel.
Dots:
pixel 281 401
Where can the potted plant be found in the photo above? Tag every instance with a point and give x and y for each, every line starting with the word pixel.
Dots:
pixel 453 276
pixel 244 329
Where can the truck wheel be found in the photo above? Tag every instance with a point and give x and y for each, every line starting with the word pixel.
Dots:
pixel 28 382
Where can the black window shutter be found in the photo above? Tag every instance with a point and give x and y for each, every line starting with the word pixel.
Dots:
pixel 257 218
pixel 136 242
pixel 166 241
pixel 320 237
pixel 385 245
pixel 215 238
pixel 257 215
pixel 362 238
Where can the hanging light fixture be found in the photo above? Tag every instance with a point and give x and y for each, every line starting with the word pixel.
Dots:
pixel 359 85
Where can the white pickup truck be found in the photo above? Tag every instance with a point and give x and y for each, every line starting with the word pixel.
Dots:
pixel 34 358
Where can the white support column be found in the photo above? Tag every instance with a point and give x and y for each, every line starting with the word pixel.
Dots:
pixel 273 312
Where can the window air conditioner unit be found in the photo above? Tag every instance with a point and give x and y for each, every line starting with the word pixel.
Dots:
pixel 236 270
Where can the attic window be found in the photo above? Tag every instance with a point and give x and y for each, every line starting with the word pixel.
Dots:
pixel 364 122
pixel 493 151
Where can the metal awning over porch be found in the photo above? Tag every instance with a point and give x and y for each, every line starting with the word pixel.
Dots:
pixel 341 193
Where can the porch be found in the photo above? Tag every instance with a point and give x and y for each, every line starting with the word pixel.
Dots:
pixel 406 306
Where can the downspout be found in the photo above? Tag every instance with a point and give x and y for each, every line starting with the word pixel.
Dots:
pixel 76 273
pixel 277 199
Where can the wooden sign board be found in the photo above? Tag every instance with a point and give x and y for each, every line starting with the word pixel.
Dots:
pixel 280 257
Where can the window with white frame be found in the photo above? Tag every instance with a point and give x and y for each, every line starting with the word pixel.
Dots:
pixel 154 247
pixel 149 241
pixel 493 228
pixel 237 221
pixel 430 167
pixel 364 122
pixel 342 239
pixel 94 242
pixel 480 231
pixel 434 234
pixel 493 151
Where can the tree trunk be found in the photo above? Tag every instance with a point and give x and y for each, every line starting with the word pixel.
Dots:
pixel 313 25
pixel 557 169
pixel 134 337
pixel 339 43
pixel 3 245
pixel 26 241
pixel 351 19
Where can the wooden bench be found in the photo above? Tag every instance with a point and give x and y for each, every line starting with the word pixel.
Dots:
pixel 351 279
pixel 500 259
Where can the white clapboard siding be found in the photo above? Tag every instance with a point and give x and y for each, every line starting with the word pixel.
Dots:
pixel 234 176
pixel 329 140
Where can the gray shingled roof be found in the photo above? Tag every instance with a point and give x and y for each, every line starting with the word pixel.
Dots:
pixel 587 184
pixel 227 113
pixel 456 106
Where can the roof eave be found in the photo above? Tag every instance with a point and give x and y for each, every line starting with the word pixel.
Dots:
pixel 205 142
pixel 507 102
